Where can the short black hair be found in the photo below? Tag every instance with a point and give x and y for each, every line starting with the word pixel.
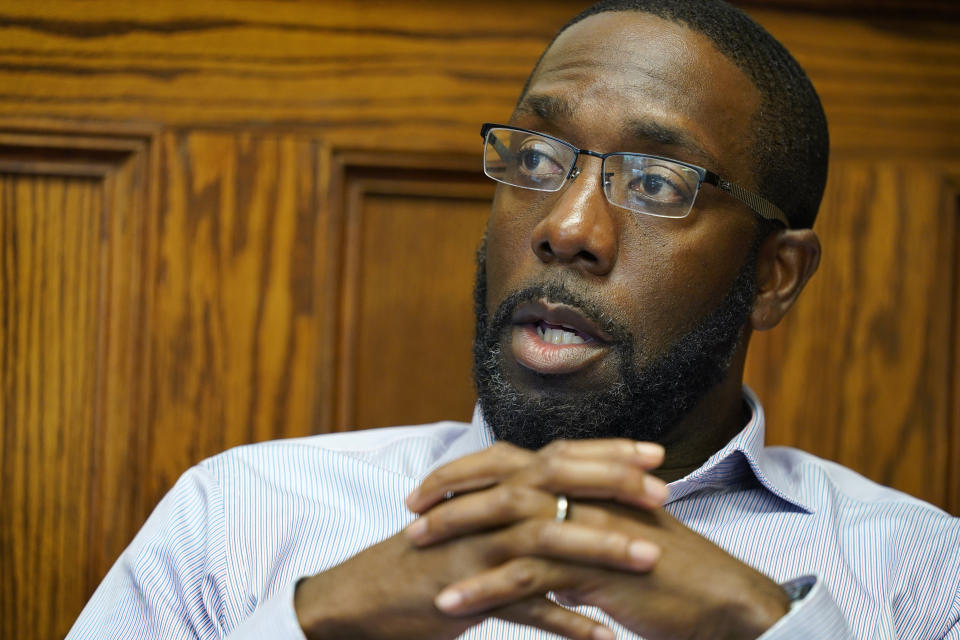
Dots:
pixel 791 144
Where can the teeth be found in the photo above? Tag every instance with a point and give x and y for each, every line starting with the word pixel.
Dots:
pixel 558 336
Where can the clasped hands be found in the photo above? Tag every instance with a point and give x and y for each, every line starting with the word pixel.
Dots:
pixel 496 548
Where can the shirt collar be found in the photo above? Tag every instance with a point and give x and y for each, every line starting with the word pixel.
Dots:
pixel 743 455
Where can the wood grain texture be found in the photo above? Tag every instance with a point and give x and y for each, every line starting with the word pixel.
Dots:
pixel 218 218
pixel 410 75
pixel 952 205
pixel 909 9
pixel 71 370
pixel 860 371
pixel 887 86
pixel 235 336
pixel 402 75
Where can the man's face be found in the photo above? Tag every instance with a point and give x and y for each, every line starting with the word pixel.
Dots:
pixel 647 310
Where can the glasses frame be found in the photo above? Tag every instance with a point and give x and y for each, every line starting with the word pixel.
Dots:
pixel 757 203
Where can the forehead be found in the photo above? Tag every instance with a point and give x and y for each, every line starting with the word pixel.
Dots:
pixel 630 78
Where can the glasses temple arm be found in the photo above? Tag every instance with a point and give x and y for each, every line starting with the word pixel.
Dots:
pixel 759 204
pixel 498 145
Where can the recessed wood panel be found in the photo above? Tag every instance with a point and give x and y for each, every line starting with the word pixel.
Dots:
pixel 71 258
pixel 408 310
pixel 860 371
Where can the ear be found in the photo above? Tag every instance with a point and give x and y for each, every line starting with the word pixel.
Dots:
pixel 785 262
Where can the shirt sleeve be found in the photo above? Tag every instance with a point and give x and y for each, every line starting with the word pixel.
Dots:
pixel 168 583
pixel 171 582
pixel 814 617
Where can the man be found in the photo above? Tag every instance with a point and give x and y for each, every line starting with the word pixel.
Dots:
pixel 658 179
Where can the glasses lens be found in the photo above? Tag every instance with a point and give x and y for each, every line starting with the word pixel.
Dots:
pixel 654 186
pixel 527 160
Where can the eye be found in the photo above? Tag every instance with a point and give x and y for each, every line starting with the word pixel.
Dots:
pixel 537 161
pixel 659 183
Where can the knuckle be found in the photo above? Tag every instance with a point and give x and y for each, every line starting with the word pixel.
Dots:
pixel 630 479
pixel 502 502
pixel 551 469
pixel 506 450
pixel 510 454
pixel 501 446
pixel 615 544
pixel 437 522
pixel 557 447
pixel 438 478
pixel 508 498
pixel 629 482
pixel 625 473
pixel 546 536
pixel 522 573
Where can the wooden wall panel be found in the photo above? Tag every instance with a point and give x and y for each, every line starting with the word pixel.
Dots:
pixel 889 86
pixel 71 234
pixel 860 371
pixel 304 169
pixel 953 451
pixel 235 331
pixel 407 313
pixel 377 75
pixel 418 75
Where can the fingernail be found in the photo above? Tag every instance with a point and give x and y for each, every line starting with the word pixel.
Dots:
pixel 448 600
pixel 602 633
pixel 643 554
pixel 656 489
pixel 417 529
pixel 651 452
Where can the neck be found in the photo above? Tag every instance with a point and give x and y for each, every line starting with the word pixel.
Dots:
pixel 707 428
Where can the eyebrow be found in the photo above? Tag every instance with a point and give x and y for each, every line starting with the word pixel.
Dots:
pixel 668 136
pixel 545 107
pixel 552 108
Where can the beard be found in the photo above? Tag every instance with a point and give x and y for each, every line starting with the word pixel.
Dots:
pixel 642 403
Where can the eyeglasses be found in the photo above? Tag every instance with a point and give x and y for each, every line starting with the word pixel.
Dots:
pixel 642 183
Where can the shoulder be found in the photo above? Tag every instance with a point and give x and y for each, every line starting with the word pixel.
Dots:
pixel 840 493
pixel 408 451
pixel 819 478
pixel 871 542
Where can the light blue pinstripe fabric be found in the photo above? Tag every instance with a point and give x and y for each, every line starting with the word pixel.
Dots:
pixel 222 551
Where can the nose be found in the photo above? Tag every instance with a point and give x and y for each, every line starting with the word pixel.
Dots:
pixel 579 228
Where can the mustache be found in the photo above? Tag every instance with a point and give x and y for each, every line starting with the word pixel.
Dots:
pixel 559 293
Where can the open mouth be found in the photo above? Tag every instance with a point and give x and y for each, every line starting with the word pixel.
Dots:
pixel 559 334
pixel 555 338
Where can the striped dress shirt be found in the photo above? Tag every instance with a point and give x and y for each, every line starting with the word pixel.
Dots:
pixel 220 555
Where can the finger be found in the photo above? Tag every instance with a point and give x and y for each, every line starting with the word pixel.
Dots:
pixel 543 614
pixel 469 473
pixel 581 544
pixel 614 480
pixel 534 530
pixel 508 583
pixel 646 455
pixel 531 493
pixel 498 506
pixel 493 465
